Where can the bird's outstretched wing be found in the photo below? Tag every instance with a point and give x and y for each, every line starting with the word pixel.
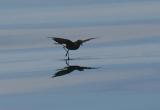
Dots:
pixel 87 39
pixel 61 40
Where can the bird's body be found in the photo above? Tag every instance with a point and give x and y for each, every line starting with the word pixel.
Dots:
pixel 68 44
pixel 73 46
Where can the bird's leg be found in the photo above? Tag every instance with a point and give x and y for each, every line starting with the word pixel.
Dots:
pixel 67 62
pixel 65 49
pixel 68 54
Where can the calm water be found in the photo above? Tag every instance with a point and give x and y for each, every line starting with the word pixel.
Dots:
pixel 118 70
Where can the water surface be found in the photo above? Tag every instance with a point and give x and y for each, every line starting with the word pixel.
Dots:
pixel 118 70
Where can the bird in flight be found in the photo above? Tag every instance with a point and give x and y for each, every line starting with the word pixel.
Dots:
pixel 69 45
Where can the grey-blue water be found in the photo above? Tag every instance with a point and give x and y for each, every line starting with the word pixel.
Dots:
pixel 120 70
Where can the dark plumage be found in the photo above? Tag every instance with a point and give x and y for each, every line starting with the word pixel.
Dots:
pixel 68 44
pixel 69 69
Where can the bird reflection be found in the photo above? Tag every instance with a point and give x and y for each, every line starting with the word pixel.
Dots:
pixel 70 68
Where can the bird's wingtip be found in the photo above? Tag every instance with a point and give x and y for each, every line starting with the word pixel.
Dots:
pixel 88 39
